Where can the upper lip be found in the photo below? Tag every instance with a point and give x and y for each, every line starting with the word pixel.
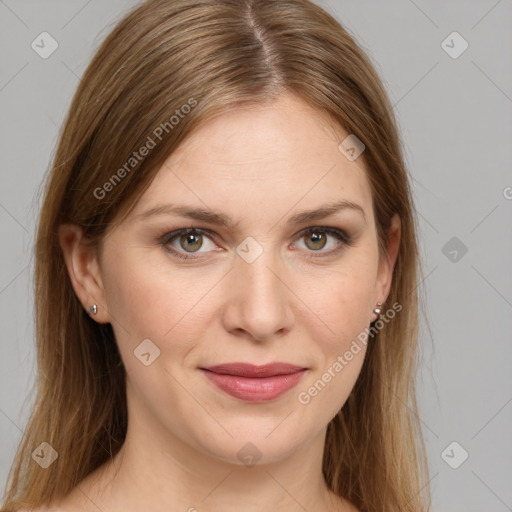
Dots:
pixel 254 371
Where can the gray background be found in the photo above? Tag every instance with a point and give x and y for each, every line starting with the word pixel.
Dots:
pixel 455 115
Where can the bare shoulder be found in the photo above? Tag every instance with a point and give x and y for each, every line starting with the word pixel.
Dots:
pixel 56 505
pixel 44 508
pixel 77 499
pixel 348 506
pixel 69 504
pixel 341 504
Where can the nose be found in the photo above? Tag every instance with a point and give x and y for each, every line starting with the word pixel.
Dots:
pixel 259 299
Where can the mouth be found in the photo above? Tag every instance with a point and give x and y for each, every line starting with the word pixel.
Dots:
pixel 253 383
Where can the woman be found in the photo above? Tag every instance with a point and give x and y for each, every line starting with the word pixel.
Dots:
pixel 271 370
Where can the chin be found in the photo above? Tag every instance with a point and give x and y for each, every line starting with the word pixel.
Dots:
pixel 254 442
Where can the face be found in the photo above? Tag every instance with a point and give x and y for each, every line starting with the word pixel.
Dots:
pixel 266 285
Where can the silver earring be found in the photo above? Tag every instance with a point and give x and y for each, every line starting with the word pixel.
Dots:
pixel 377 310
pixel 93 309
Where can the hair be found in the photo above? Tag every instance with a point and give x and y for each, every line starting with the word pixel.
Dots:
pixel 213 56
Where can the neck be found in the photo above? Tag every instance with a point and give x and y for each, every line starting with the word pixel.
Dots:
pixel 148 474
pixel 159 470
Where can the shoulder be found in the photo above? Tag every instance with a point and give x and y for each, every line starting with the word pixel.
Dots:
pixel 44 508
pixel 341 504
pixel 54 506
pixel 351 507
pixel 75 500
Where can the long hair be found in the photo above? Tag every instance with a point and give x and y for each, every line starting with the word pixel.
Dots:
pixel 165 68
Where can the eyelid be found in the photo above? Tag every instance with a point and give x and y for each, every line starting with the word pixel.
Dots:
pixel 169 236
pixel 336 232
pixel 343 237
pixel 344 240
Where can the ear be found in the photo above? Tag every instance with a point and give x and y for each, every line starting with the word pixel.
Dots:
pixel 84 270
pixel 387 261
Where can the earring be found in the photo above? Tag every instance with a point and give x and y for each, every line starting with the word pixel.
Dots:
pixel 93 309
pixel 377 310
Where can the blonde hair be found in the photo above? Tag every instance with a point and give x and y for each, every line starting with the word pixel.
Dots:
pixel 216 55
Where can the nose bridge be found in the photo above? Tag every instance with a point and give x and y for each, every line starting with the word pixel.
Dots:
pixel 259 302
pixel 259 278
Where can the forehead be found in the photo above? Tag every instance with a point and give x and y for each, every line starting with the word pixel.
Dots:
pixel 261 159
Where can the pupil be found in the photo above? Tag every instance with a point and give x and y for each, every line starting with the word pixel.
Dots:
pixel 317 237
pixel 190 241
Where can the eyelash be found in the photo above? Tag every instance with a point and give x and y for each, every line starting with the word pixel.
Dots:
pixel 341 235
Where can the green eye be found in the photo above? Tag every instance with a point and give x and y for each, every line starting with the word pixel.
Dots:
pixel 188 238
pixel 317 238
pixel 191 240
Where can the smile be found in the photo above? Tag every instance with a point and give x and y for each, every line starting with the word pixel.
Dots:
pixel 254 383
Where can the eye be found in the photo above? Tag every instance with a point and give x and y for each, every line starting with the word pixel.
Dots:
pixel 316 239
pixel 189 240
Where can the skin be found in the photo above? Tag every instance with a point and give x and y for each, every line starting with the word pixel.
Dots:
pixel 259 165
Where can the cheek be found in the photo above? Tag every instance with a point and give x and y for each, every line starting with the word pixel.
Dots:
pixel 342 308
pixel 148 299
pixel 342 299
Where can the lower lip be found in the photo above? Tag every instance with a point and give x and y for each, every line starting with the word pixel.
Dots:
pixel 255 389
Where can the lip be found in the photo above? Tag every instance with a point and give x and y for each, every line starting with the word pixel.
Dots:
pixel 254 383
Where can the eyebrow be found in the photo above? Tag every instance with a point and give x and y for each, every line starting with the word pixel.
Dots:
pixel 222 219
